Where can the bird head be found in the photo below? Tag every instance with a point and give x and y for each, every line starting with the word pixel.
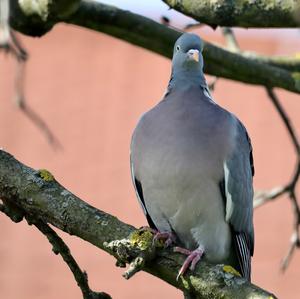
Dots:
pixel 187 54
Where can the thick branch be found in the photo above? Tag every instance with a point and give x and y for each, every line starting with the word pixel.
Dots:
pixel 151 35
pixel 38 194
pixel 244 13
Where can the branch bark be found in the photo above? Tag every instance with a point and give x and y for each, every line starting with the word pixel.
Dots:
pixel 158 38
pixel 245 13
pixel 39 195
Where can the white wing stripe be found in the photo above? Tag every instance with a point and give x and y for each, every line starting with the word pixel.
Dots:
pixel 244 255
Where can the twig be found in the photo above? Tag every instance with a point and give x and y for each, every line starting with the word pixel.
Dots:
pixel 291 186
pixel 59 247
pixel 295 240
pixel 212 84
pixel 41 124
pixel 10 43
pixel 191 26
pixel 231 41
pixel 262 197
pixel 285 118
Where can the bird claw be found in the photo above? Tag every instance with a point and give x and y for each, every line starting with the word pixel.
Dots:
pixel 168 238
pixel 193 257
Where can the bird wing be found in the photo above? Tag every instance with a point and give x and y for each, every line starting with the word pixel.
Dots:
pixel 139 194
pixel 237 191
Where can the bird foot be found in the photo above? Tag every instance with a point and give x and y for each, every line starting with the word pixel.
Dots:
pixel 193 257
pixel 167 237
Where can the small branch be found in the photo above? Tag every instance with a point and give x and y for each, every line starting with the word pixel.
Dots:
pixel 262 197
pixel 246 13
pixel 285 119
pixel 295 240
pixel 291 186
pixel 290 63
pixel 212 84
pixel 231 41
pixel 37 193
pixel 10 43
pixel 41 124
pixel 59 247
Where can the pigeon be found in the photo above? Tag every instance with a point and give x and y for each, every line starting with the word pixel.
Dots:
pixel 192 168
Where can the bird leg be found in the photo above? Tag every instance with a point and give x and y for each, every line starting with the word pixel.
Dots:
pixel 193 257
pixel 167 237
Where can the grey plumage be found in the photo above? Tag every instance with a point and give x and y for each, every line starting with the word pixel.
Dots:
pixel 192 166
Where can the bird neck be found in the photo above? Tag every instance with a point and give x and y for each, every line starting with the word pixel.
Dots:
pixel 184 79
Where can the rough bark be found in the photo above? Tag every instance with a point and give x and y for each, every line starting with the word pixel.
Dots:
pixel 241 13
pixel 153 36
pixel 25 191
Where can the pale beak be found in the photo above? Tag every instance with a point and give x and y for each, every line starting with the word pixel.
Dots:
pixel 193 54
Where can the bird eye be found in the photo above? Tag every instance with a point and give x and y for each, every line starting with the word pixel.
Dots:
pixel 177 48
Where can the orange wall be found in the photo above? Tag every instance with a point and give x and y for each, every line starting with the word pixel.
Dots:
pixel 91 90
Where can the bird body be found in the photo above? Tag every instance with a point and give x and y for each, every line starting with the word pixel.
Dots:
pixel 181 159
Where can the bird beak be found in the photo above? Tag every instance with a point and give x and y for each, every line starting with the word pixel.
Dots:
pixel 193 54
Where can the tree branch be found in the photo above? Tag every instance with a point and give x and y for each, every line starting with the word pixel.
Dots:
pixel 10 43
pixel 59 247
pixel 38 194
pixel 245 13
pixel 158 38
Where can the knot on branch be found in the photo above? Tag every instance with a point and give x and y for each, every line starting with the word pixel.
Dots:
pixel 37 17
pixel 137 250
pixel 11 210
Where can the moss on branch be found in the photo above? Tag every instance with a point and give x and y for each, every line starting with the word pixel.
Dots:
pixel 241 13
pixel 24 188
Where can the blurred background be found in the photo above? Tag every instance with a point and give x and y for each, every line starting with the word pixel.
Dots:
pixel 91 89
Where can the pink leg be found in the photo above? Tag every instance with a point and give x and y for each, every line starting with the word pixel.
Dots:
pixel 192 259
pixel 169 237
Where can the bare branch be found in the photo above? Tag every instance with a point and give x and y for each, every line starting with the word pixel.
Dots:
pixel 59 247
pixel 247 13
pixel 262 197
pixel 10 43
pixel 41 124
pixel 37 193
pixel 156 37
pixel 231 41
pixel 290 63
pixel 291 186
pixel 212 84
pixel 295 240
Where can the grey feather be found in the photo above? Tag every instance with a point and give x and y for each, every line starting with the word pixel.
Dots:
pixel 238 172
